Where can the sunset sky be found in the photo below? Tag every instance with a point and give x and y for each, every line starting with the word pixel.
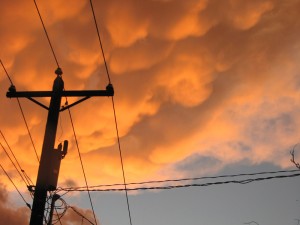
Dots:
pixel 202 88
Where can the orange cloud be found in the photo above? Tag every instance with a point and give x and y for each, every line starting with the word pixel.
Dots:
pixel 140 56
pixel 246 15
pixel 209 78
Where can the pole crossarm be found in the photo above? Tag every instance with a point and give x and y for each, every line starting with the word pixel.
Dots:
pixel 86 94
pixel 75 93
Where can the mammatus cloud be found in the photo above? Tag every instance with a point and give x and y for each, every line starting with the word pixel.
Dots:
pixel 9 213
pixel 205 78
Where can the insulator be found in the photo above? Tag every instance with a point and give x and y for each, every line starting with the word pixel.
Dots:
pixel 58 71
pixel 12 88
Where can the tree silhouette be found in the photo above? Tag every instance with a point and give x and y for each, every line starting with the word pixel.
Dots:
pixel 293 158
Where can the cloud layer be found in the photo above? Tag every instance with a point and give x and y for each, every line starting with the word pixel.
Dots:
pixel 10 214
pixel 216 80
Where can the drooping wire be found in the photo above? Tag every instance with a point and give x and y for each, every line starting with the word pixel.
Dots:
pixel 58 217
pixel 121 158
pixel 244 181
pixel 47 208
pixel 20 168
pixel 68 109
pixel 100 42
pixel 81 163
pixel 49 201
pixel 113 104
pixel 65 208
pixel 6 72
pixel 79 214
pixel 27 204
pixel 27 177
pixel 23 115
pixel 37 8
pixel 189 179
pixel 25 181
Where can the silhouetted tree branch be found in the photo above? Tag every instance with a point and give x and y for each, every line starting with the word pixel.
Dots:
pixel 293 158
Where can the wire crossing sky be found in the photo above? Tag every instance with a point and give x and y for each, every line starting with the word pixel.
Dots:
pixel 202 88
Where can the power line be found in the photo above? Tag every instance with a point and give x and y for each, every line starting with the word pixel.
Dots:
pixel 85 179
pixel 100 42
pixel 65 208
pixel 27 204
pixel 59 209
pixel 121 158
pixel 27 177
pixel 23 115
pixel 6 72
pixel 24 177
pixel 82 216
pixel 52 49
pixel 190 179
pixel 14 164
pixel 58 217
pixel 20 168
pixel 244 181
pixel 37 8
pixel 114 110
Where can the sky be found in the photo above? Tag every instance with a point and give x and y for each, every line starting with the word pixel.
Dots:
pixel 202 88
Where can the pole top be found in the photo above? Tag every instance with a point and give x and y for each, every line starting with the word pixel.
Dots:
pixel 58 71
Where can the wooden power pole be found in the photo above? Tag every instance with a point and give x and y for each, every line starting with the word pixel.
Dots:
pixel 50 158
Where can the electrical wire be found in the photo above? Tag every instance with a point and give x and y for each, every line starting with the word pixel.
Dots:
pixel 52 49
pixel 114 110
pixel 82 167
pixel 58 217
pixel 64 207
pixel 190 179
pixel 37 8
pixel 22 112
pixel 6 72
pixel 78 213
pixel 100 42
pixel 20 168
pixel 27 204
pixel 25 181
pixel 27 177
pixel 23 115
pixel 121 158
pixel 244 181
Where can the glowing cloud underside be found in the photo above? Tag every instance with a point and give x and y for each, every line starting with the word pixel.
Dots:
pixel 207 78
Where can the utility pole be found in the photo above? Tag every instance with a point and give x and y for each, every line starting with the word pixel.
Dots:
pixel 50 158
